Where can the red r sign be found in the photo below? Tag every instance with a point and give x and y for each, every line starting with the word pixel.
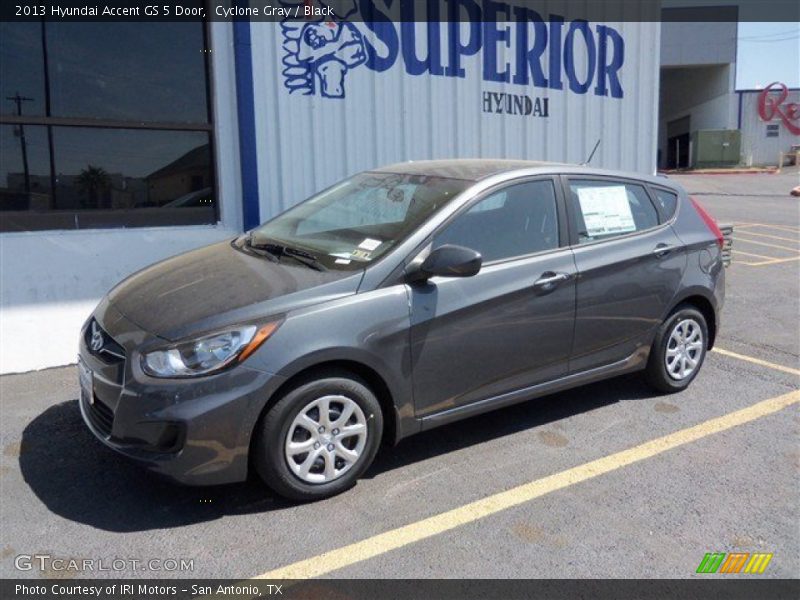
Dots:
pixel 770 106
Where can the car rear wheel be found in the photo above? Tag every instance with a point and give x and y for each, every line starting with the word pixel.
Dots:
pixel 678 350
pixel 319 437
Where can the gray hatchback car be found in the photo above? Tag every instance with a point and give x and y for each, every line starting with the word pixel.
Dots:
pixel 395 301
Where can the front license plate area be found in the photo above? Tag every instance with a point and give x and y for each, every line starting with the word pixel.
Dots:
pixel 86 380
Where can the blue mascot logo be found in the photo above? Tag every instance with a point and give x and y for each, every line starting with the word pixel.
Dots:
pixel 318 55
pixel 518 46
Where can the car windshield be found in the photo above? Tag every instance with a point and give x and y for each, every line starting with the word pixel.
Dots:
pixel 357 220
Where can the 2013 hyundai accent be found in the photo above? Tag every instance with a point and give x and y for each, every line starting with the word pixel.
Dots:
pixel 395 301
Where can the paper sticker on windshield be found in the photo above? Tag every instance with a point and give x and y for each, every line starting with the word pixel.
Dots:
pixel 369 244
pixel 342 261
pixel 360 254
pixel 606 210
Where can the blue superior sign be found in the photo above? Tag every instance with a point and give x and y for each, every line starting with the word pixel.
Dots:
pixel 318 54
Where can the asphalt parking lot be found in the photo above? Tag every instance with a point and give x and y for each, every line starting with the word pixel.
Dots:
pixel 572 485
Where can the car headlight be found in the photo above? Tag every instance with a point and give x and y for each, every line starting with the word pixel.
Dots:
pixel 207 354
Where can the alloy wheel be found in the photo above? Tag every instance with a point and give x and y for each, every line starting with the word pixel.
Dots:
pixel 326 439
pixel 684 349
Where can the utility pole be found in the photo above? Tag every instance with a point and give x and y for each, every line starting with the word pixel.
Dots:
pixel 18 100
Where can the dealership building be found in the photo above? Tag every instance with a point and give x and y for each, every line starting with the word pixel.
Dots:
pixel 704 121
pixel 118 149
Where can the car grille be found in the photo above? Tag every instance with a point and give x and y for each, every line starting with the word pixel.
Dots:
pixel 100 415
pixel 110 352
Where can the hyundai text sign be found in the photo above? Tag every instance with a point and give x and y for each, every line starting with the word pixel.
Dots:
pixel 513 44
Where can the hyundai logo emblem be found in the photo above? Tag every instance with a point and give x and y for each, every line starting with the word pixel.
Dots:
pixel 96 343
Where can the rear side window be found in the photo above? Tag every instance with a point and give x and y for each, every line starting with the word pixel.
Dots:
pixel 668 202
pixel 607 209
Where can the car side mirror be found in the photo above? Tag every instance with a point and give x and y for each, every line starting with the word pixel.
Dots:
pixel 449 261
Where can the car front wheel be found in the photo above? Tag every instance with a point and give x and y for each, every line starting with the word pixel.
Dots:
pixel 319 437
pixel 678 350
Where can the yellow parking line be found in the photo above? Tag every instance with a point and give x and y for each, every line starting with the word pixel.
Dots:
pixel 769 226
pixel 400 537
pixel 757 361
pixel 741 239
pixel 774 237
pixel 774 261
pixel 751 254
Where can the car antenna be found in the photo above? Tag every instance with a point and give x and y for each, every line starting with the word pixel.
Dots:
pixel 591 156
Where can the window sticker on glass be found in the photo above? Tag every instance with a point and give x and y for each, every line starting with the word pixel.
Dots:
pixel 606 210
pixel 369 244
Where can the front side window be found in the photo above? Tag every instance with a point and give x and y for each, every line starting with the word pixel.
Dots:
pixel 607 209
pixel 103 127
pixel 360 219
pixel 518 220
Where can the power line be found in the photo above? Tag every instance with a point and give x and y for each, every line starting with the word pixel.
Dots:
pixel 787 39
pixel 769 35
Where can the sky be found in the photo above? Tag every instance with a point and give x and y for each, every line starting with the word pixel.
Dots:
pixel 768 52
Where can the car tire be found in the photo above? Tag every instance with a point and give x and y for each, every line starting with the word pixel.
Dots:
pixel 338 391
pixel 670 377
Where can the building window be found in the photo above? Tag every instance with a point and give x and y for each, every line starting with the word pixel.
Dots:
pixel 104 126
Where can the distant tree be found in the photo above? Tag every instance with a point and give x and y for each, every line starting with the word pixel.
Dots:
pixel 93 180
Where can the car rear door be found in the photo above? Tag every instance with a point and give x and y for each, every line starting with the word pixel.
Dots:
pixel 508 327
pixel 630 264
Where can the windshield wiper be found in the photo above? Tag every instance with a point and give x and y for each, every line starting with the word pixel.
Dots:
pixel 255 248
pixel 279 250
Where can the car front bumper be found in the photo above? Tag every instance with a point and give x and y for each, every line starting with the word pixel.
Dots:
pixel 196 431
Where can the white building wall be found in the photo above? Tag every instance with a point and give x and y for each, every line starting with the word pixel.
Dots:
pixel 307 142
pixel 757 148
pixel 52 280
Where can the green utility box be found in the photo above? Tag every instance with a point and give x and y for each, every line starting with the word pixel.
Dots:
pixel 716 148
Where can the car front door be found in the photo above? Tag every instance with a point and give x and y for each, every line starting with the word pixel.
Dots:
pixel 508 327
pixel 630 265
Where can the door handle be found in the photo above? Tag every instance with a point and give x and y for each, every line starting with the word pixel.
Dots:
pixel 549 280
pixel 663 249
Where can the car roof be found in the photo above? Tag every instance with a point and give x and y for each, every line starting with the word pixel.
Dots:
pixel 471 169
pixel 476 169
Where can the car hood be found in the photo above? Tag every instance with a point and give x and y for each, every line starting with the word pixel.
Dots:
pixel 217 286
